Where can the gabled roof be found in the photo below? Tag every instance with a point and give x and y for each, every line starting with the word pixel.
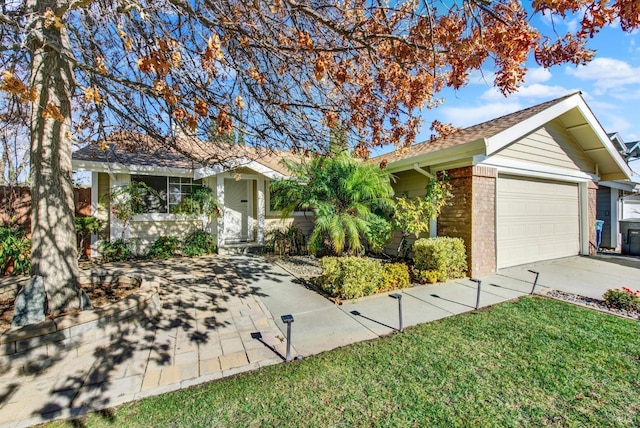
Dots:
pixel 633 149
pixel 487 138
pixel 132 152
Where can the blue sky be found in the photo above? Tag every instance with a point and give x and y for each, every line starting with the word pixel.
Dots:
pixel 610 85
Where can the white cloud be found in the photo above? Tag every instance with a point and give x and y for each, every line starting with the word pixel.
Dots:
pixel 537 75
pixel 467 116
pixel 535 92
pixel 606 73
pixel 481 77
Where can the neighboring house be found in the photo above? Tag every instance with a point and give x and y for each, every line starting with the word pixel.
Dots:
pixel 616 200
pixel 524 184
pixel 238 175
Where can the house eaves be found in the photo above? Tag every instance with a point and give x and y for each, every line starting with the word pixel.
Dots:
pixel 120 168
pixel 459 155
pixel 580 122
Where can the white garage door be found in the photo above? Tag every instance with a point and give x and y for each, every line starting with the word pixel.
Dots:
pixel 536 220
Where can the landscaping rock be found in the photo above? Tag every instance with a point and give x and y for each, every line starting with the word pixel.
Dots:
pixel 31 303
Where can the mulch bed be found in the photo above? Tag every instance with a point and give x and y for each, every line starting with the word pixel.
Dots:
pixel 100 295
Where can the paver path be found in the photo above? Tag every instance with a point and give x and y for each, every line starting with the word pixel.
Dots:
pixel 212 324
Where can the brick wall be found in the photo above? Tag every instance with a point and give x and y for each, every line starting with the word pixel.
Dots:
pixel 483 228
pixel 471 216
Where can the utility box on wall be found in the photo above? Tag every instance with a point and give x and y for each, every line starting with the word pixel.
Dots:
pixel 630 231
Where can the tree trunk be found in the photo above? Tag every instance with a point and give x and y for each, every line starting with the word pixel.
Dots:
pixel 53 237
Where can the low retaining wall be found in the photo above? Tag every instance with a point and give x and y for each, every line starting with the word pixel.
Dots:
pixel 33 347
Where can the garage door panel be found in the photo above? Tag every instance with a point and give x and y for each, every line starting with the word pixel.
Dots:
pixel 536 220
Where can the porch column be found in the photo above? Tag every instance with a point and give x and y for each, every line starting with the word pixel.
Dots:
pixel 220 198
pixel 117 228
pixel 261 211
pixel 94 212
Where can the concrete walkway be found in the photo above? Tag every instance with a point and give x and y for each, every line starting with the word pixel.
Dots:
pixel 221 316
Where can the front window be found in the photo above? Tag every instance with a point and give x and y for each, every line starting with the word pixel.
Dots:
pixel 170 191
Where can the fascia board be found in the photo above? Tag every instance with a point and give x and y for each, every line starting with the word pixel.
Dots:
pixel 444 156
pixel 241 162
pixel 118 168
pixel 629 187
pixel 606 142
pixel 509 166
pixel 519 130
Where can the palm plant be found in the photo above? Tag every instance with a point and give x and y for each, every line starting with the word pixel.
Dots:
pixel 342 192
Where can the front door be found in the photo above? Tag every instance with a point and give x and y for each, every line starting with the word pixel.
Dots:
pixel 236 210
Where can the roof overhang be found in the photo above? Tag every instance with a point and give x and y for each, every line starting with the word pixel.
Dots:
pixel 198 173
pixel 583 126
pixel 119 168
pixel 577 119
pixel 236 163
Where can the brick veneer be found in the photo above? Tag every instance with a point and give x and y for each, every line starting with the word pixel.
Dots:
pixel 472 216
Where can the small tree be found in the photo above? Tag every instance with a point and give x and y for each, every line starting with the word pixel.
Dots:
pixel 413 215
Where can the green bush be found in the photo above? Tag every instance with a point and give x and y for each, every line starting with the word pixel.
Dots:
pixel 445 255
pixel 394 275
pixel 15 251
pixel 199 243
pixel 115 251
pixel 623 298
pixel 424 276
pixel 378 233
pixel 289 241
pixel 350 277
pixel 164 247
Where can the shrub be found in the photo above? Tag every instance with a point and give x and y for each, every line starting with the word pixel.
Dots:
pixel 445 255
pixel 289 241
pixel 378 233
pixel 15 251
pixel 115 251
pixel 199 243
pixel 623 298
pixel 424 276
pixel 394 275
pixel 350 277
pixel 164 247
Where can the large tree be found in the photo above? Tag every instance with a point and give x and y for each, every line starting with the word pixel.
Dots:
pixel 282 72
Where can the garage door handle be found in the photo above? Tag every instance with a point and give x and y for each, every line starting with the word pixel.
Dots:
pixel 243 200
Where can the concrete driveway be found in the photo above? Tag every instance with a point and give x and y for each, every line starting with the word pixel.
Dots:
pixel 587 276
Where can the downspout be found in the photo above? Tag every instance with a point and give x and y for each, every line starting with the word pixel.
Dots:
pixel 433 223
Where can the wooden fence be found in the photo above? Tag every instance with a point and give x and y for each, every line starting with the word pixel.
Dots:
pixel 15 205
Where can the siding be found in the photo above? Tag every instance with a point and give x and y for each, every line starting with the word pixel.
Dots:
pixel 304 223
pixel 413 184
pixel 144 233
pixel 551 146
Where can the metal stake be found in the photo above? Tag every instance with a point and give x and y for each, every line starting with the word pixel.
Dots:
pixel 398 297
pixel 535 281
pixel 288 320
pixel 477 281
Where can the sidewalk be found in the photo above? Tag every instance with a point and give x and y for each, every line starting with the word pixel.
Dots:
pixel 221 316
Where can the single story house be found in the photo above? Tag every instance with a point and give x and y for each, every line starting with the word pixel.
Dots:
pixel 524 184
pixel 238 175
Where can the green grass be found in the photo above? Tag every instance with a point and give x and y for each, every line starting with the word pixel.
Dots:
pixel 532 362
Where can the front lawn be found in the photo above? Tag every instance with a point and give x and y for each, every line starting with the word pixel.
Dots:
pixel 532 362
